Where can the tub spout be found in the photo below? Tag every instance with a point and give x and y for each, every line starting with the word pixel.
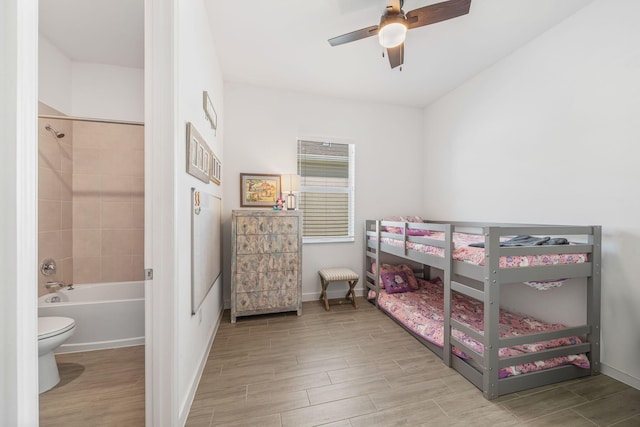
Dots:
pixel 54 285
pixel 70 287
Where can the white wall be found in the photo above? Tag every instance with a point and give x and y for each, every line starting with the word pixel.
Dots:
pixel 107 92
pixel 84 89
pixel 262 127
pixel 54 76
pixel 198 70
pixel 553 129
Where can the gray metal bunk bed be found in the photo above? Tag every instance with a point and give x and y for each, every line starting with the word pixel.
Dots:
pixel 483 283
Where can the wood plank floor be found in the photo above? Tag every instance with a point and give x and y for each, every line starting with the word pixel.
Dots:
pixel 100 388
pixel 347 368
pixel 342 368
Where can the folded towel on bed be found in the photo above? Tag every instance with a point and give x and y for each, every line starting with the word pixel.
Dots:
pixel 525 240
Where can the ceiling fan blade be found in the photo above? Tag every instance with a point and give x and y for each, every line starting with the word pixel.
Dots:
pixel 396 55
pixel 437 12
pixel 354 35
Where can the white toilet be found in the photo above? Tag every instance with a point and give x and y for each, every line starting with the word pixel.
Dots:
pixel 52 333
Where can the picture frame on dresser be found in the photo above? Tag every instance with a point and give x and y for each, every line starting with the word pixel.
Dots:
pixel 259 190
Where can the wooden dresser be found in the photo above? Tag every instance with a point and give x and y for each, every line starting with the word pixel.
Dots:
pixel 266 265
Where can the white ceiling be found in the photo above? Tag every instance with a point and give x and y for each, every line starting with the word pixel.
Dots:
pixel 283 43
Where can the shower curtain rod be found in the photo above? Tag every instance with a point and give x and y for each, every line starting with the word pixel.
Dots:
pixel 86 119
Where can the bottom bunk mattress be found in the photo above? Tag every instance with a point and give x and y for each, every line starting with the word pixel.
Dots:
pixel 422 312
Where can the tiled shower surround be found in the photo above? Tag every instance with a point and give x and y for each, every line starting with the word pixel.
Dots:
pixel 55 199
pixel 91 201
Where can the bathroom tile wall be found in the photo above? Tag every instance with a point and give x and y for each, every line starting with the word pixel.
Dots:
pixel 90 200
pixel 55 198
pixel 108 202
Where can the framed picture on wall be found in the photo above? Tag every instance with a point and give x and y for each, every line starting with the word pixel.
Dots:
pixel 259 190
pixel 199 155
pixel 216 170
pixel 209 111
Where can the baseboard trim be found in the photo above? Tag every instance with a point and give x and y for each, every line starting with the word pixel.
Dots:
pixel 620 376
pixel 203 362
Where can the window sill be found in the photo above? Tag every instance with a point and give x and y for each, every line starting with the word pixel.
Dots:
pixel 313 240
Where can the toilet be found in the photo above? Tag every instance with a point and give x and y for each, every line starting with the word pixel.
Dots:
pixel 52 333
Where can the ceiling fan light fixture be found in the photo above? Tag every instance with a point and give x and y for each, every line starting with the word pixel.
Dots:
pixel 394 24
pixel 393 31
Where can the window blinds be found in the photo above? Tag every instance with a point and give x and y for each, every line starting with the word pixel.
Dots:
pixel 326 188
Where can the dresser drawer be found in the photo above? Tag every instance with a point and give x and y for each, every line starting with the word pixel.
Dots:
pixel 266 300
pixel 262 263
pixel 266 225
pixel 260 244
pixel 252 263
pixel 270 281
pixel 284 261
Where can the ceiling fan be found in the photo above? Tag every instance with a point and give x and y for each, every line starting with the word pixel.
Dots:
pixel 395 23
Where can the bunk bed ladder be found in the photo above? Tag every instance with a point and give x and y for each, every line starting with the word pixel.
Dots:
pixel 491 312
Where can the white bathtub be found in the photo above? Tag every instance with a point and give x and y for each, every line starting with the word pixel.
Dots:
pixel 107 315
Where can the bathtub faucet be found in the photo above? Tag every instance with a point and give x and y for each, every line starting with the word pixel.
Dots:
pixel 70 287
pixel 54 285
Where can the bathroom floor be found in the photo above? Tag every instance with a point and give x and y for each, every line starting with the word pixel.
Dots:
pixel 97 388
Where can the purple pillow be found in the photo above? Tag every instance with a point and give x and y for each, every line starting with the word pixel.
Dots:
pixel 396 282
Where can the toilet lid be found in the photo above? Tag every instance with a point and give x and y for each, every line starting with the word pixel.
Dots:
pixel 51 326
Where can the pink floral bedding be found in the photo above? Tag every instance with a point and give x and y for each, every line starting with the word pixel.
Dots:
pixel 422 312
pixel 463 252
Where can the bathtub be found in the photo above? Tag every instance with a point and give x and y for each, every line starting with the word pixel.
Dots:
pixel 107 315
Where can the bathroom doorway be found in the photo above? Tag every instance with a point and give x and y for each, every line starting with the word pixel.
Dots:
pixel 91 194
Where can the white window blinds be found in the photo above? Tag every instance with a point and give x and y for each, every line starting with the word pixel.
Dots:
pixel 326 172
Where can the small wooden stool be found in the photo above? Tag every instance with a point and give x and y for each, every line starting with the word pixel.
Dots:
pixel 342 274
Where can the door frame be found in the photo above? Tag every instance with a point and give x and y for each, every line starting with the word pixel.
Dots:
pixel 19 45
pixel 19 229
pixel 161 134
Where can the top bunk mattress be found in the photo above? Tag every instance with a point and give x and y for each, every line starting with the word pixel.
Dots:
pixel 475 255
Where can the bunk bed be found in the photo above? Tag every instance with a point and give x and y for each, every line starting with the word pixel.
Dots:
pixel 495 350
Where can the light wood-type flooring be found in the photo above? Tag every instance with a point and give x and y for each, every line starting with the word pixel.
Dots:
pixel 101 388
pixel 341 368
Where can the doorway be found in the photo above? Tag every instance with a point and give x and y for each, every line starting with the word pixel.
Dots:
pixel 91 213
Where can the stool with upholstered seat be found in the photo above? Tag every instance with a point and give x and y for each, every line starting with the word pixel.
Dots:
pixel 339 274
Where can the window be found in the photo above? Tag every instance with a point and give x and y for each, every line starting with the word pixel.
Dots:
pixel 326 170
